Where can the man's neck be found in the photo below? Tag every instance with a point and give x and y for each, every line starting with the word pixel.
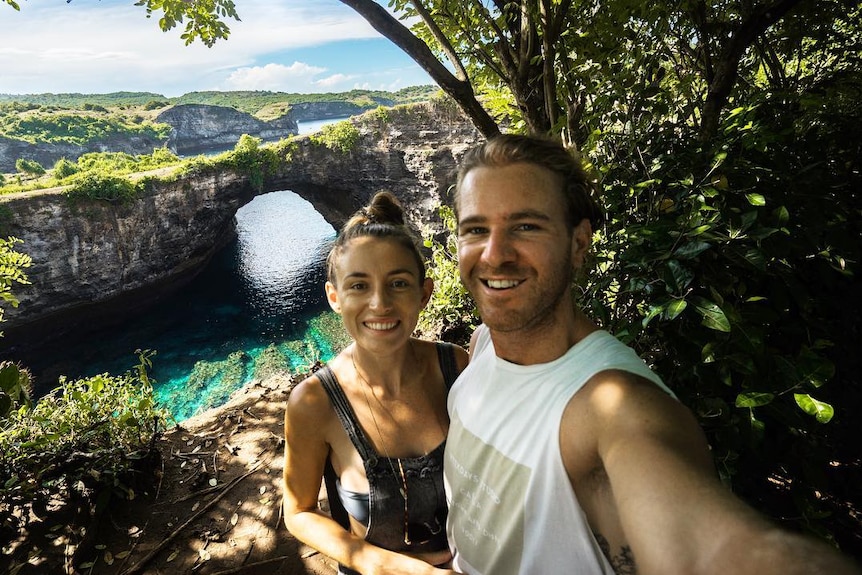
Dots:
pixel 545 342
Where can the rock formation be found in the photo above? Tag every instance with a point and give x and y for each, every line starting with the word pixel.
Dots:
pixel 199 128
pixel 95 260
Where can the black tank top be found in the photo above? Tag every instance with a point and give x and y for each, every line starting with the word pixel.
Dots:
pixel 426 521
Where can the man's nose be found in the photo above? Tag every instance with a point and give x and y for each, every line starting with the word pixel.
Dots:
pixel 498 248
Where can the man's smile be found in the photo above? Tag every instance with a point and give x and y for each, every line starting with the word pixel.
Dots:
pixel 501 284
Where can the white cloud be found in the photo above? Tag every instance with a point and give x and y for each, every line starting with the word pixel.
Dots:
pixel 335 82
pixel 88 46
pixel 274 77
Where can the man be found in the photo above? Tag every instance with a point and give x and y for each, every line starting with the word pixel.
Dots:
pixel 565 453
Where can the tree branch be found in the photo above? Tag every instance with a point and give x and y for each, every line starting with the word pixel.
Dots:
pixel 727 67
pixel 460 90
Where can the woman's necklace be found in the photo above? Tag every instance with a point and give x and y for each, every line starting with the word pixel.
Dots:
pixel 403 488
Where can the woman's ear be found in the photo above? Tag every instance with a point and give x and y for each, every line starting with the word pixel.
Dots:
pixel 332 297
pixel 427 290
pixel 582 239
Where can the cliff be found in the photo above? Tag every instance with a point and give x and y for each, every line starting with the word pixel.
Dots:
pixel 94 260
pixel 196 129
pixel 199 128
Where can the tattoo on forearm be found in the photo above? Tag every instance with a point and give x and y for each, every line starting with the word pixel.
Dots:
pixel 622 563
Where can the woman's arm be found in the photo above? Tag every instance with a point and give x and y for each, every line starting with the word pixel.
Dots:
pixel 308 417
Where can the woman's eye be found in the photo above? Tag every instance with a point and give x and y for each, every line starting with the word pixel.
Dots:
pixel 357 286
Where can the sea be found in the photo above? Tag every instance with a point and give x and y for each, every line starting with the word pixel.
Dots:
pixel 258 308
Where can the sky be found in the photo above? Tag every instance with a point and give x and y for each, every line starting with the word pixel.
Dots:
pixel 96 47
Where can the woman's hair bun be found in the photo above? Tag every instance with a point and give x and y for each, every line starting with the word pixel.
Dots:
pixel 384 208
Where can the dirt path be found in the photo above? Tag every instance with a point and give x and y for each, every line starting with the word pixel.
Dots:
pixel 218 507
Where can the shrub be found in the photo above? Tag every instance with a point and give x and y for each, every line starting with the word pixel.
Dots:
pixel 64 168
pixel 86 440
pixel 339 137
pixel 98 186
pixel 450 313
pixel 12 266
pixel 31 167
pixel 255 161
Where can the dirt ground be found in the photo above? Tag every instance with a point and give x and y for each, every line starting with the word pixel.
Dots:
pixel 216 509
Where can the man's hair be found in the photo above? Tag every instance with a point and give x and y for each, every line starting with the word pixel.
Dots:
pixel 550 154
pixel 382 218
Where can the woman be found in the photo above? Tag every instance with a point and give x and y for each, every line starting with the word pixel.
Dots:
pixel 373 421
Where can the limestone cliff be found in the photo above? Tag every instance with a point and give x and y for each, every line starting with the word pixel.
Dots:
pixel 199 128
pixel 94 260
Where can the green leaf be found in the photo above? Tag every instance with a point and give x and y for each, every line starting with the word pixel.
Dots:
pixel 815 369
pixel 712 315
pixel 698 230
pixel 755 199
pixel 822 411
pixel 754 399
pixel 690 250
pixel 676 307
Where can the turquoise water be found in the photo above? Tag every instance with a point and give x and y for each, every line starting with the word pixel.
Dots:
pixel 258 307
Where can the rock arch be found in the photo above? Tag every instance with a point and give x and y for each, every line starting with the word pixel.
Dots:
pixel 95 261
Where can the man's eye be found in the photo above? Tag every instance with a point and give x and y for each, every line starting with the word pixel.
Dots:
pixel 400 283
pixel 472 231
pixel 527 227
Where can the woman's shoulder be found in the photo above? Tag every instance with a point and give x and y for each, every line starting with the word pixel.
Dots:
pixel 309 398
pixel 431 350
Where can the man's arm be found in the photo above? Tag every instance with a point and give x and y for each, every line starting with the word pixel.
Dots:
pixel 660 496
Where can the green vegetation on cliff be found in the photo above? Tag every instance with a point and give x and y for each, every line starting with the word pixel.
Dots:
pixel 47 125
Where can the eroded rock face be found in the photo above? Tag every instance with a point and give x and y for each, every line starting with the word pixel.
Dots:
pixel 94 260
pixel 199 128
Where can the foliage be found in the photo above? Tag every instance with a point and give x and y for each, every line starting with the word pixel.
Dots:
pixel 713 264
pixel 63 168
pixel 204 18
pixel 339 137
pixel 450 314
pixel 16 388
pixel 80 128
pixel 254 160
pixel 31 167
pixel 103 186
pixel 85 440
pixel 12 266
pixel 95 166
pixel 246 100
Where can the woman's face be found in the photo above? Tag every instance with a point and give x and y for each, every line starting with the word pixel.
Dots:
pixel 378 292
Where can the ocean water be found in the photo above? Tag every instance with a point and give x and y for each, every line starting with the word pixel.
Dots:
pixel 311 126
pixel 258 307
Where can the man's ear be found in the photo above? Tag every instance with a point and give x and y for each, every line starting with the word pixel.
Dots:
pixel 582 239
pixel 332 297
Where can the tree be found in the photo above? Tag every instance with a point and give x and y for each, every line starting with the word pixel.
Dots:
pixel 541 51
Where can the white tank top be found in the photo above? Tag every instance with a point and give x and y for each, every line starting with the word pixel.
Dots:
pixel 512 509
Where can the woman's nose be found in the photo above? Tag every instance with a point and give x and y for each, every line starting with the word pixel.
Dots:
pixel 380 299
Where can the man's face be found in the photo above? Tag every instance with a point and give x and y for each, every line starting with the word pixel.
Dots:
pixel 514 247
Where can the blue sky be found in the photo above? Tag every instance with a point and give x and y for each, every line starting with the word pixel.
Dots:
pixel 93 47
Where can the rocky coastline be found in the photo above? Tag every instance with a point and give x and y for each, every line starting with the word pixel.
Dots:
pixel 93 261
